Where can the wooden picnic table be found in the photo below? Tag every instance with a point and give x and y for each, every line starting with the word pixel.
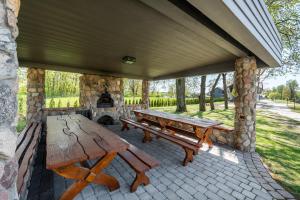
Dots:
pixel 202 128
pixel 72 140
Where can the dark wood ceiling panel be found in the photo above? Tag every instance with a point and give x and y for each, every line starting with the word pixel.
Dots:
pixel 93 36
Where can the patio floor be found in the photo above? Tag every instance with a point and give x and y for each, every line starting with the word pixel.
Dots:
pixel 217 173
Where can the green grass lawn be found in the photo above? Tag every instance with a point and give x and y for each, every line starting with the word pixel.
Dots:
pixel 278 142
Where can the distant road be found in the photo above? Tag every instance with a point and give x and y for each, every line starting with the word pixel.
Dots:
pixel 279 108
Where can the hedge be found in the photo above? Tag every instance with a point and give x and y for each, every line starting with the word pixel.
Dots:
pixel 163 102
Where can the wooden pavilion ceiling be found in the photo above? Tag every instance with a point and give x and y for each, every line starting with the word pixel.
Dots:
pixel 93 36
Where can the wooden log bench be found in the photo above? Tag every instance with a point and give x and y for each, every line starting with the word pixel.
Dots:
pixel 189 147
pixel 27 144
pixel 140 162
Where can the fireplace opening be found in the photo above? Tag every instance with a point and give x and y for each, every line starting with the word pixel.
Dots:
pixel 105 100
pixel 106 120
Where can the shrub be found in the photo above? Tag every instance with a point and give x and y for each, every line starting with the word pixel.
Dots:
pixel 68 104
pixel 59 103
pixel 21 102
pixel 76 104
pixel 52 103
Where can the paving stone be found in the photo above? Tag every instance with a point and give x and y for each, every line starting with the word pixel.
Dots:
pixel 238 195
pixel 200 196
pixel 285 194
pixel 255 185
pixel 261 194
pixel 224 187
pixel 183 194
pixel 225 195
pixel 210 176
pixel 212 195
pixel 171 194
pixel 248 194
pixel 276 195
pixel 158 196
pixel 145 196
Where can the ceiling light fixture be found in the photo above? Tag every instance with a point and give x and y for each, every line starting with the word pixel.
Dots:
pixel 128 60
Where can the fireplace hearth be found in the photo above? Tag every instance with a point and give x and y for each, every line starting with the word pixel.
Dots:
pixel 106 120
pixel 105 100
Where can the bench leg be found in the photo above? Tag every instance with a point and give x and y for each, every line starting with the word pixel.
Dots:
pixel 147 137
pixel 140 178
pixel 188 156
pixel 125 126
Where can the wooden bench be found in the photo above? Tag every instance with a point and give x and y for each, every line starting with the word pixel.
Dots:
pixel 140 162
pixel 27 143
pixel 189 147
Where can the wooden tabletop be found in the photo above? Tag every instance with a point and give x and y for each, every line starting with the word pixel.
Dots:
pixel 75 138
pixel 205 123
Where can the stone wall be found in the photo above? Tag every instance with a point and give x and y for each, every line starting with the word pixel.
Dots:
pixel 145 94
pixel 92 86
pixel 245 103
pixel 35 94
pixel 8 98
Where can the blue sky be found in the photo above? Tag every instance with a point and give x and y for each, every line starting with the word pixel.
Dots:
pixel 281 80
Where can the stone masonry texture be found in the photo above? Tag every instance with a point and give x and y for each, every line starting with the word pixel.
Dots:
pixel 145 93
pixel 92 86
pixel 245 103
pixel 8 99
pixel 35 94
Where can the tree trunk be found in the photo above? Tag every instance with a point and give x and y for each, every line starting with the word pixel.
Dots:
pixel 212 93
pixel 225 91
pixel 180 95
pixel 202 94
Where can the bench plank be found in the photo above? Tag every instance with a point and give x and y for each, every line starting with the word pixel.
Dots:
pixel 133 161
pixel 24 143
pixel 163 135
pixel 189 149
pixel 27 159
pixel 140 162
pixel 144 157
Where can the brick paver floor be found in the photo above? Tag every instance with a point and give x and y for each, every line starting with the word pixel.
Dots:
pixel 217 173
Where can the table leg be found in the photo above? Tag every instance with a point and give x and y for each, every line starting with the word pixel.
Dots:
pixel 188 156
pixel 147 137
pixel 203 136
pixel 85 176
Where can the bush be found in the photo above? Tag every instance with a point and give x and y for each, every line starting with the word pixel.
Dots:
pixel 52 103
pixel 21 103
pixel 59 103
pixel 68 104
pixel 75 104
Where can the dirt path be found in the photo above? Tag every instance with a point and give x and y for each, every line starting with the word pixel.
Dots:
pixel 278 108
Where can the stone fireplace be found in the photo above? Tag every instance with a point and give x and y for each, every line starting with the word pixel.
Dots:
pixel 103 95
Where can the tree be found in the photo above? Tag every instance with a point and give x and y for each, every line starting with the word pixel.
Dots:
pixel 180 95
pixel 212 92
pixel 280 89
pixel 225 91
pixel 202 94
pixel 292 85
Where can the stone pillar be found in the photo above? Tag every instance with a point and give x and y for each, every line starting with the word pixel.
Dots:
pixel 8 98
pixel 35 94
pixel 145 94
pixel 245 103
